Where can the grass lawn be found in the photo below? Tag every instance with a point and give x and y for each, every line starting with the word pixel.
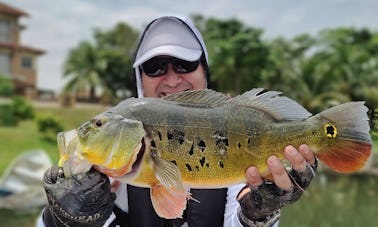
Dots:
pixel 15 140
pixel 342 200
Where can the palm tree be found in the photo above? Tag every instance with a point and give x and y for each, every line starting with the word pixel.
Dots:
pixel 81 70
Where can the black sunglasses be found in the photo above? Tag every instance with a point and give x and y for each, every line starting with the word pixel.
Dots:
pixel 158 66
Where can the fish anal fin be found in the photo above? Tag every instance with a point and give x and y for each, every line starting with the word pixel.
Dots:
pixel 168 203
pixel 346 156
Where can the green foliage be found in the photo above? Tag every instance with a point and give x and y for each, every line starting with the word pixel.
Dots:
pixel 106 63
pixel 233 48
pixel 22 109
pixel 335 66
pixel 6 86
pixel 49 127
pixel 19 109
pixel 6 115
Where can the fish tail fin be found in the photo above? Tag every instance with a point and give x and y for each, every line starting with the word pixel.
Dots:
pixel 348 127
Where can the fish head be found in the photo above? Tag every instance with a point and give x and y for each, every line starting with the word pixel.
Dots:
pixel 111 143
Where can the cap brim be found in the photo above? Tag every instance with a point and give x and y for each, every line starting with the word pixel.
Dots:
pixel 174 51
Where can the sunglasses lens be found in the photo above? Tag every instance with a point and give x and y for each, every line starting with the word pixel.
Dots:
pixel 182 66
pixel 154 67
pixel 157 66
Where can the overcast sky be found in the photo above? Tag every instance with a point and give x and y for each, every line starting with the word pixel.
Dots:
pixel 59 25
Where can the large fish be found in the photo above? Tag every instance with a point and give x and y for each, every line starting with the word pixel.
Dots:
pixel 204 139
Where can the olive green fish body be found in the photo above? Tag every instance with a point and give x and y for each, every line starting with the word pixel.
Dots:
pixel 204 139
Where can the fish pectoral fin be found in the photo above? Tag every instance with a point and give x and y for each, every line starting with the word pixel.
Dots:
pixel 168 203
pixel 167 173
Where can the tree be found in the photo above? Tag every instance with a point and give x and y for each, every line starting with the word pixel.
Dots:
pixel 105 63
pixel 81 68
pixel 237 53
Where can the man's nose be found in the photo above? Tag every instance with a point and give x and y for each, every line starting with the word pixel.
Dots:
pixel 172 78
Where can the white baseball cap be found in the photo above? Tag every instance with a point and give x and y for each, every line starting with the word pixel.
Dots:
pixel 172 36
pixel 168 36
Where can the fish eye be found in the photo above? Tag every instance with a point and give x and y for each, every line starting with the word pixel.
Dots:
pixel 99 122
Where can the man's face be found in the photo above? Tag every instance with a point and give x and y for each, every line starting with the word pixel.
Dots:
pixel 172 82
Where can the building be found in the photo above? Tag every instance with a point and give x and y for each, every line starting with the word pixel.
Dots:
pixel 17 61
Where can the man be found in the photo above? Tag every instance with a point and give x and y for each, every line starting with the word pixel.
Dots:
pixel 171 57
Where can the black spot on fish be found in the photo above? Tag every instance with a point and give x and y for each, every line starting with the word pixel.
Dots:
pixel 221 164
pixel 197 168
pixel 188 167
pixel 153 144
pixel 159 134
pixel 221 138
pixel 169 135
pixel 239 145
pixel 174 162
pixel 207 165
pixel 202 161
pixel 191 152
pixel 249 140
pixel 202 145
pixel 180 136
pixel 176 135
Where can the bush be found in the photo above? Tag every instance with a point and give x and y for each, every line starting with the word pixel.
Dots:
pixel 49 127
pixel 6 115
pixel 22 110
pixel 19 109
pixel 6 86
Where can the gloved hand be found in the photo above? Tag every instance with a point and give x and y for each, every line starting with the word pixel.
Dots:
pixel 261 205
pixel 81 200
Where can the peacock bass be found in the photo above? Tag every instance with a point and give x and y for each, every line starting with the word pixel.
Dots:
pixel 205 139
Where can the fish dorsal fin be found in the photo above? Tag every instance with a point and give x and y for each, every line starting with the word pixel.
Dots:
pixel 198 98
pixel 279 107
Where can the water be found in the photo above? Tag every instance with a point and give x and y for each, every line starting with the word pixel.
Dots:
pixel 335 200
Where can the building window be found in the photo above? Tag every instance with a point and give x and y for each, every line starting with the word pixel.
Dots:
pixel 4 64
pixel 27 62
pixel 5 29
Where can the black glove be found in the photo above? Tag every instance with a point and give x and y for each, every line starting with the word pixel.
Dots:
pixel 264 201
pixel 81 200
